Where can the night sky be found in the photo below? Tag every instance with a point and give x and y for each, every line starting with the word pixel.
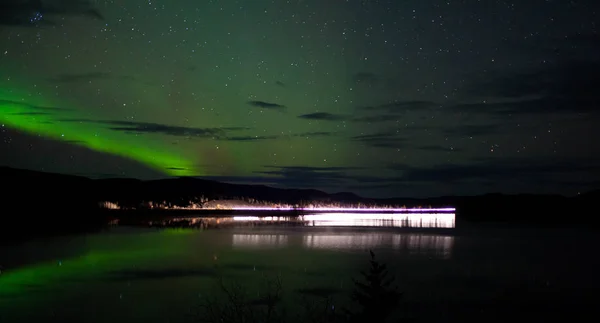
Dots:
pixel 382 98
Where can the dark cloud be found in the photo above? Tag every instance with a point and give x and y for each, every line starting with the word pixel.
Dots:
pixel 148 127
pixel 439 148
pixel 491 171
pixel 274 137
pixel 376 118
pixel 74 142
pixel 322 116
pixel 472 130
pixel 313 169
pixel 564 87
pixel 530 106
pixel 267 105
pixel 175 168
pixel 401 106
pixel 251 138
pixel 308 177
pixel 32 108
pixel 296 177
pixel 315 133
pixel 71 7
pixel 381 140
pixel 31 113
pixel 248 180
pixel 37 12
pixel 84 77
pixel 141 127
pixel 331 178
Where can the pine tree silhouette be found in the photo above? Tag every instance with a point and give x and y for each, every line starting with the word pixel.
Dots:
pixel 375 296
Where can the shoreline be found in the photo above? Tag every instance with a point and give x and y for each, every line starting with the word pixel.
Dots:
pixel 267 212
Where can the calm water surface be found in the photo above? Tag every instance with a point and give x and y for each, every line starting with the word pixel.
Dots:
pixel 150 275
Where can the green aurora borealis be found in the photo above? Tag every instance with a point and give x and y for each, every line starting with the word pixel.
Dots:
pixel 32 116
pixel 383 98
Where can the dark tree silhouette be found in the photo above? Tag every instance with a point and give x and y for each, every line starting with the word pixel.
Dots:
pixel 376 297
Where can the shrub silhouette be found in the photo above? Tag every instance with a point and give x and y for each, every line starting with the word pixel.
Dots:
pixel 239 307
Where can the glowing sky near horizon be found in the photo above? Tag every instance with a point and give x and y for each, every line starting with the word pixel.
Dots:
pixel 382 98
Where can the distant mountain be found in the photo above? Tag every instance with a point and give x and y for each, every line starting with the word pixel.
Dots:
pixel 50 196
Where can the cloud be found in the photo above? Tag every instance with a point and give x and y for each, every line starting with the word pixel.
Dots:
pixel 326 116
pixel 471 130
pixel 75 142
pixel 142 127
pixel 38 12
pixel 315 133
pixel 313 169
pixel 84 77
pixel 322 116
pixel 32 109
pixel 564 87
pixel 148 127
pixel 303 177
pixel 71 7
pixel 401 106
pixel 31 113
pixel 376 118
pixel 251 138
pixel 491 170
pixel 274 137
pixel 267 105
pixel 381 140
pixel 530 106
pixel 439 148
pixel 309 177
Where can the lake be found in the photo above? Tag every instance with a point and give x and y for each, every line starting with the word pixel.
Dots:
pixel 129 274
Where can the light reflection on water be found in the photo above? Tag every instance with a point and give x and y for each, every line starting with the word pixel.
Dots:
pixel 421 220
pixel 160 273
pixel 260 240
pixel 389 220
pixel 431 245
